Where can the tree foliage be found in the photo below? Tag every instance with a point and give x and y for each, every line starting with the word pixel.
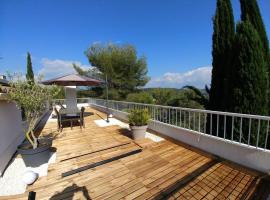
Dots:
pixel 223 37
pixel 92 72
pixel 125 70
pixel 163 95
pixel 250 12
pixel 30 74
pixel 250 81
pixel 250 76
pixel 185 98
pixel 32 98
pixel 140 97
pixel 200 97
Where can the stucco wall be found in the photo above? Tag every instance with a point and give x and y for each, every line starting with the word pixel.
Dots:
pixel 11 134
pixel 255 158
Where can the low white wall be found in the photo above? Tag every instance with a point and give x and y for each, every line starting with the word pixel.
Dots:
pixel 11 132
pixel 255 158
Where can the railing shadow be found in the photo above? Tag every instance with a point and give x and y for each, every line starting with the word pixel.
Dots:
pixel 182 182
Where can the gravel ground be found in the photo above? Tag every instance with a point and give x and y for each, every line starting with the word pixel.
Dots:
pixel 11 182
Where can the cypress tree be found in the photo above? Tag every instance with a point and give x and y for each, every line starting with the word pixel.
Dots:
pixel 222 41
pixel 30 73
pixel 249 77
pixel 250 11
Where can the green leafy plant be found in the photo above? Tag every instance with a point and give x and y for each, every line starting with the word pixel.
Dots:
pixel 33 99
pixel 140 97
pixel 138 117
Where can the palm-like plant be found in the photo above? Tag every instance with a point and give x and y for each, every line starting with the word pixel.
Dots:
pixel 201 97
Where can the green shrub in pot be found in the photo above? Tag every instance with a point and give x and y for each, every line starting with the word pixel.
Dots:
pixel 138 121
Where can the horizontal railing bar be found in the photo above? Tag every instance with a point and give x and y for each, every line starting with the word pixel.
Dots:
pixel 262 117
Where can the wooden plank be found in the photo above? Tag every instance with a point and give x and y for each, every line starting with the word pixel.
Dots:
pixel 153 173
pixel 100 163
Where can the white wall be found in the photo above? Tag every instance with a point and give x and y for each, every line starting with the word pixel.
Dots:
pixel 71 98
pixel 255 158
pixel 11 133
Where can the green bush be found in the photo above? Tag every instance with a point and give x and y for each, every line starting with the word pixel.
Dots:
pixel 141 97
pixel 138 117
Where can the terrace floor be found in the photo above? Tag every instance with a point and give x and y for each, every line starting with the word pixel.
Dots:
pixel 125 169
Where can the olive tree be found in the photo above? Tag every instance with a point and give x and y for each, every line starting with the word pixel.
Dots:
pixel 33 99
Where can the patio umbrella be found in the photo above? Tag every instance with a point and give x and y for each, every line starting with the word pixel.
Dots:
pixel 75 80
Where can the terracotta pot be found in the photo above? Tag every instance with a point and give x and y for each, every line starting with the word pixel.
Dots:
pixel 138 132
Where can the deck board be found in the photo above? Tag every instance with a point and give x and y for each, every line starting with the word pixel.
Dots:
pixel 164 169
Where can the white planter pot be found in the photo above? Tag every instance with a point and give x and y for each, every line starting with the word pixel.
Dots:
pixel 138 132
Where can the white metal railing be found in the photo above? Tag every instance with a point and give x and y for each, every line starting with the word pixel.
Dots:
pixel 251 130
pixel 79 100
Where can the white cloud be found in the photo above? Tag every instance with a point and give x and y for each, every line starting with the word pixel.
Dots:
pixel 197 77
pixel 54 68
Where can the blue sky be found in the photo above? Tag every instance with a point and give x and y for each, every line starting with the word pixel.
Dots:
pixel 174 35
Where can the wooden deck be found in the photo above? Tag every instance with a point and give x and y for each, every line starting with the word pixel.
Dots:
pixel 163 170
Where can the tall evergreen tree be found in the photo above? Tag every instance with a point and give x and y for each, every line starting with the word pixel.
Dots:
pixel 223 36
pixel 250 77
pixel 30 73
pixel 250 11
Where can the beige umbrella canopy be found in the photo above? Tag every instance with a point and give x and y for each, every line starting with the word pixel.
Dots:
pixel 73 80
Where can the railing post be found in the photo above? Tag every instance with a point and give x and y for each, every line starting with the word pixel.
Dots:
pixel 258 133
pixel 266 137
pixel 194 120
pixel 232 128
pixel 249 131
pixel 224 134
pixel 176 117
pixel 211 123
pixel 241 121
pixel 217 125
pixel 189 119
pixel 199 129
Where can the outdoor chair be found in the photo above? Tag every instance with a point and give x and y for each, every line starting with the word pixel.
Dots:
pixel 61 118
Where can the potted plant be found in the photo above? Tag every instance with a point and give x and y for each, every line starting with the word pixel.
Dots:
pixel 32 99
pixel 138 122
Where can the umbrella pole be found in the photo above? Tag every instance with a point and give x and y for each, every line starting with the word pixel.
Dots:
pixel 107 100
